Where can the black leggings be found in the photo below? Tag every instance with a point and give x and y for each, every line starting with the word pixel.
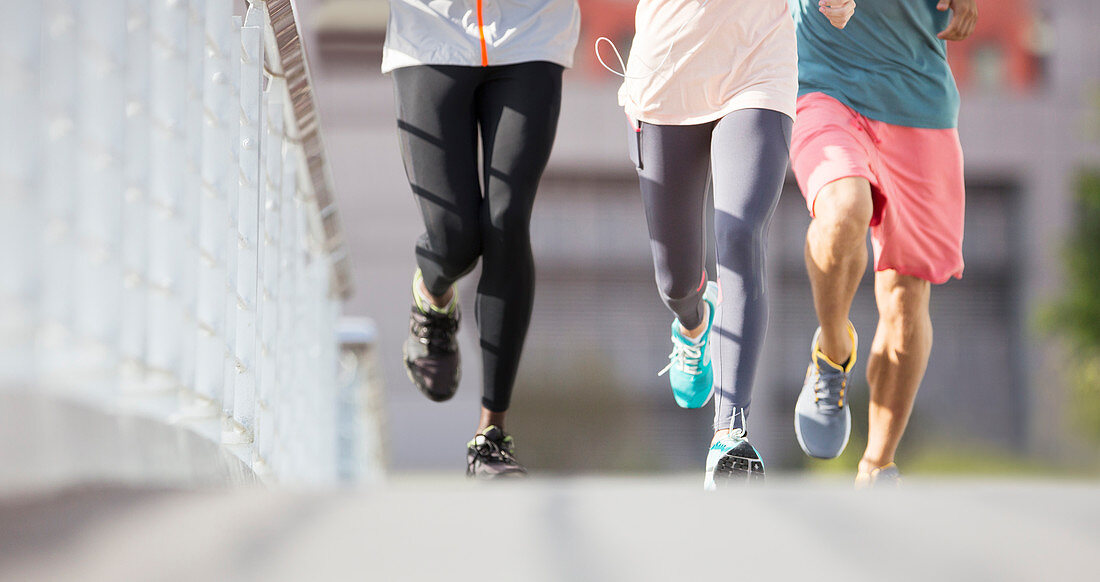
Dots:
pixel 439 112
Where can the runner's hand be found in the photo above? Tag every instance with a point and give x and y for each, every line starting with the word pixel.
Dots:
pixel 964 15
pixel 839 12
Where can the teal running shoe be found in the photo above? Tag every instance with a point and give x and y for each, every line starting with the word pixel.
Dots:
pixel 822 419
pixel 689 367
pixel 732 460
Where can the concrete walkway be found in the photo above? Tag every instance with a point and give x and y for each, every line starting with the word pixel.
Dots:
pixel 434 528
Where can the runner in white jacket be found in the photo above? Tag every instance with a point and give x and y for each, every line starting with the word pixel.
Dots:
pixel 482 33
pixel 460 68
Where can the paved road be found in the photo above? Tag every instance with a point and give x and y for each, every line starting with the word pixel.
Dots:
pixel 559 529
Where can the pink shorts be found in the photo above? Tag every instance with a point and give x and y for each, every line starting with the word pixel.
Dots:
pixel 916 178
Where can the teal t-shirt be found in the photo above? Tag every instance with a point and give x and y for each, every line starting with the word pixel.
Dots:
pixel 887 63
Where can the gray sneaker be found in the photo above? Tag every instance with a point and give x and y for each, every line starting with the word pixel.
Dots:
pixel 885 477
pixel 431 352
pixel 492 455
pixel 822 420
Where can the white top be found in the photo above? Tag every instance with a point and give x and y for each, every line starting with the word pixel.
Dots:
pixel 480 32
pixel 725 55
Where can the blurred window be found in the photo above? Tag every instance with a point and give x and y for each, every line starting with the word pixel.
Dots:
pixel 351 31
pixel 1007 51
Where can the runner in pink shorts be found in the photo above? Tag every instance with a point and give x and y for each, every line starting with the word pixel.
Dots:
pixel 875 146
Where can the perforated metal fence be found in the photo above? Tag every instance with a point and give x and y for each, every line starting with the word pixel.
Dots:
pixel 168 242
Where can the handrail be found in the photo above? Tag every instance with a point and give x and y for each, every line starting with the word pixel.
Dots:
pixel 287 59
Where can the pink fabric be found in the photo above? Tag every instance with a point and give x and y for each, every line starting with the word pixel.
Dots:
pixel 916 178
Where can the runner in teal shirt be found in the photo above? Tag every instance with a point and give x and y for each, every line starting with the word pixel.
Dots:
pixel 875 150
pixel 904 81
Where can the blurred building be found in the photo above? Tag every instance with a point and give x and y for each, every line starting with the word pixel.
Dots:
pixel 588 397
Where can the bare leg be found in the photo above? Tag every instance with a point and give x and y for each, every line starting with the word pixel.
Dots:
pixel 490 418
pixel 899 356
pixel 836 255
pixel 696 331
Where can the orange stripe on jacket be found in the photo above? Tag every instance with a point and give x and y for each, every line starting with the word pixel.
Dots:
pixel 481 33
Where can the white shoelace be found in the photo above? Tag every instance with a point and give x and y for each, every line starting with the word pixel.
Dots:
pixel 685 358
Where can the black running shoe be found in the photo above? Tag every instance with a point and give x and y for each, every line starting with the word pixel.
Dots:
pixel 491 455
pixel 431 352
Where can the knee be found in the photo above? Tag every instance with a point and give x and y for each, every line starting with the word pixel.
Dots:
pixel 507 232
pixel 675 290
pixel 843 210
pixel 903 302
pixel 456 252
pixel 737 238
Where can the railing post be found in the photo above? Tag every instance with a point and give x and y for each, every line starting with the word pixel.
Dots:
pixel 57 189
pixel 100 133
pixel 133 329
pixel 270 225
pixel 219 175
pixel 251 151
pixel 360 425
pixel 20 207
pixel 232 248
pixel 289 208
pixel 189 206
pixel 167 230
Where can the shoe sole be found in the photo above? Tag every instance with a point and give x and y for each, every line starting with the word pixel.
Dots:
pixel 428 395
pixel 506 476
pixel 739 465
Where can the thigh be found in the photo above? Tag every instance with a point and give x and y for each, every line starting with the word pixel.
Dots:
pixel 673 164
pixel 517 110
pixel 749 161
pixel 437 133
pixel 829 143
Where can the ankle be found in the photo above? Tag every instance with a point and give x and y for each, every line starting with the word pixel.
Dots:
pixel 694 332
pixel 837 348
pixel 441 301
pixel 718 435
pixel 490 418
pixel 698 330
pixel 868 464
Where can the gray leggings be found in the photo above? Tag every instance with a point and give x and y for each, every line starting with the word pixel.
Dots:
pixel 745 154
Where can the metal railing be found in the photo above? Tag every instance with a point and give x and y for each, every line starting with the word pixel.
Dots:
pixel 168 240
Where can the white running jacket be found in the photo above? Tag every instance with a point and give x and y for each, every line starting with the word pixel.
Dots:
pixel 480 32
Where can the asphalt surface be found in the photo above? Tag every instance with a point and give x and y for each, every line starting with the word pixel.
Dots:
pixel 552 528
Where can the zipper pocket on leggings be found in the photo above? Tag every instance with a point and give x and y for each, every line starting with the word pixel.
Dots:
pixel 635 143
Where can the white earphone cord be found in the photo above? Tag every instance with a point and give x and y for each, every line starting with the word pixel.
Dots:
pixel 653 71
